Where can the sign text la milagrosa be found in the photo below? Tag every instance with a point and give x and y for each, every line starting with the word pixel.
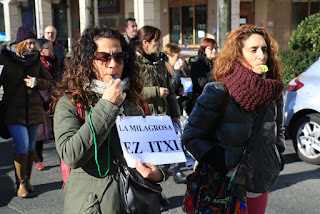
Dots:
pixel 152 139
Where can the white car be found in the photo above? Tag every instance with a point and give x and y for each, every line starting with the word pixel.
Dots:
pixel 302 113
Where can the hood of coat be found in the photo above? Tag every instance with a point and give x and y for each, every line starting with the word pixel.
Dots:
pixel 29 57
pixel 151 59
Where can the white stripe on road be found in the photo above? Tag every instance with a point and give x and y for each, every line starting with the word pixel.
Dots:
pixel 6 167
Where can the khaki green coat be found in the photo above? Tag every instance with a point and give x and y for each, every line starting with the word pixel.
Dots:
pixel 74 143
pixel 154 73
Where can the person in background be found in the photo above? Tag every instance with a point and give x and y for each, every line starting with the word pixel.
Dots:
pixel 221 142
pixel 157 90
pixel 50 33
pixel 100 55
pixel 201 70
pixel 22 77
pixel 174 66
pixel 45 131
pixel 131 28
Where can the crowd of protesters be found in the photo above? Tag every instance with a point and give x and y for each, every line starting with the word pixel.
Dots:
pixel 48 93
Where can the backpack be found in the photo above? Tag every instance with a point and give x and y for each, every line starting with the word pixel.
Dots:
pixel 65 170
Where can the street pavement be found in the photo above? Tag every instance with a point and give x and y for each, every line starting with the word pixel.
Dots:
pixel 296 191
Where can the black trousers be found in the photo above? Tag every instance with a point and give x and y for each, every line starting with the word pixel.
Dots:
pixel 38 152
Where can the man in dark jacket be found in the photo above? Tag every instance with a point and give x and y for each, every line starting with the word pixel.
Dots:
pixel 131 29
pixel 50 33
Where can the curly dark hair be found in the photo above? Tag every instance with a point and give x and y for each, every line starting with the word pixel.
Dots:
pixel 79 68
pixel 232 52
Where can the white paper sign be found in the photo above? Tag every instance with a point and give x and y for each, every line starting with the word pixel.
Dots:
pixel 151 138
pixel 1 68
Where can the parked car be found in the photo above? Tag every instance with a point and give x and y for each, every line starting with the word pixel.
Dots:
pixel 302 113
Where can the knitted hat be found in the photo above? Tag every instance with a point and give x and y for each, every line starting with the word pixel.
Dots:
pixel 23 33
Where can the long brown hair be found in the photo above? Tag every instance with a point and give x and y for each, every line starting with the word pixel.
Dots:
pixel 79 68
pixel 147 33
pixel 232 52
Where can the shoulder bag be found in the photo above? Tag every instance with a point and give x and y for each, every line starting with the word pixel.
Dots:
pixel 139 195
pixel 65 170
pixel 4 132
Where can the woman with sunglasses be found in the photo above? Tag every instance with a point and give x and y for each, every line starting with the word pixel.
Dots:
pixel 45 131
pixel 88 88
pixel 22 76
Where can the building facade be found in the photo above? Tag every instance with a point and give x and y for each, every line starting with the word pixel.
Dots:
pixel 185 22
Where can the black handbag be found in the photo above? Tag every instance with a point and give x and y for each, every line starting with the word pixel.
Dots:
pixel 4 132
pixel 139 195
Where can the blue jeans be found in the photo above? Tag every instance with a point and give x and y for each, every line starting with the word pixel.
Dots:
pixel 24 138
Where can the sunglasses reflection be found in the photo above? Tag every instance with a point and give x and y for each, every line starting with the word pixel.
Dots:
pixel 119 57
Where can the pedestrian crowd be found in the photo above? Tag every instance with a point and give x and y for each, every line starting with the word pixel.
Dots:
pixel 234 116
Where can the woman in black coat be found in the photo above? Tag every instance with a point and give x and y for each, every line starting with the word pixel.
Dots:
pixel 201 70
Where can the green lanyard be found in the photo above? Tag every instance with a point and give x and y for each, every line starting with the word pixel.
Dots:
pixel 96 147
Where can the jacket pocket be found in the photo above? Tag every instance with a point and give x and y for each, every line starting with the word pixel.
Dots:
pixel 90 205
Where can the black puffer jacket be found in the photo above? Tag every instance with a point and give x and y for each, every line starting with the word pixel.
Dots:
pixel 222 143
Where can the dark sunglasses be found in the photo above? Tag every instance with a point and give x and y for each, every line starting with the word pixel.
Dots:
pixel 119 57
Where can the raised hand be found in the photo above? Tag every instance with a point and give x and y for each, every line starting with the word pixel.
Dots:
pixel 113 92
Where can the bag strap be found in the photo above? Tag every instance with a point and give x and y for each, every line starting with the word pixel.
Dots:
pixel 155 78
pixel 145 108
pixel 81 112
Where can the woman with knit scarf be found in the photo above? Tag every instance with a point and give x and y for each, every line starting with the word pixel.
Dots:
pixel 220 126
pixel 45 131
pixel 23 76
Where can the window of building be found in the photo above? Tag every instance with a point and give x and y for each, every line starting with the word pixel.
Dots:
pixel 2 27
pixel 112 13
pixel 188 21
pixel 302 9
pixel 175 25
pixel 28 14
pixel 59 20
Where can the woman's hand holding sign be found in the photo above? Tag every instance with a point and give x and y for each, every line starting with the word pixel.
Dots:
pixel 149 171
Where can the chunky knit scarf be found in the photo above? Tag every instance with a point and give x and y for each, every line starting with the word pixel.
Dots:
pixel 251 91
